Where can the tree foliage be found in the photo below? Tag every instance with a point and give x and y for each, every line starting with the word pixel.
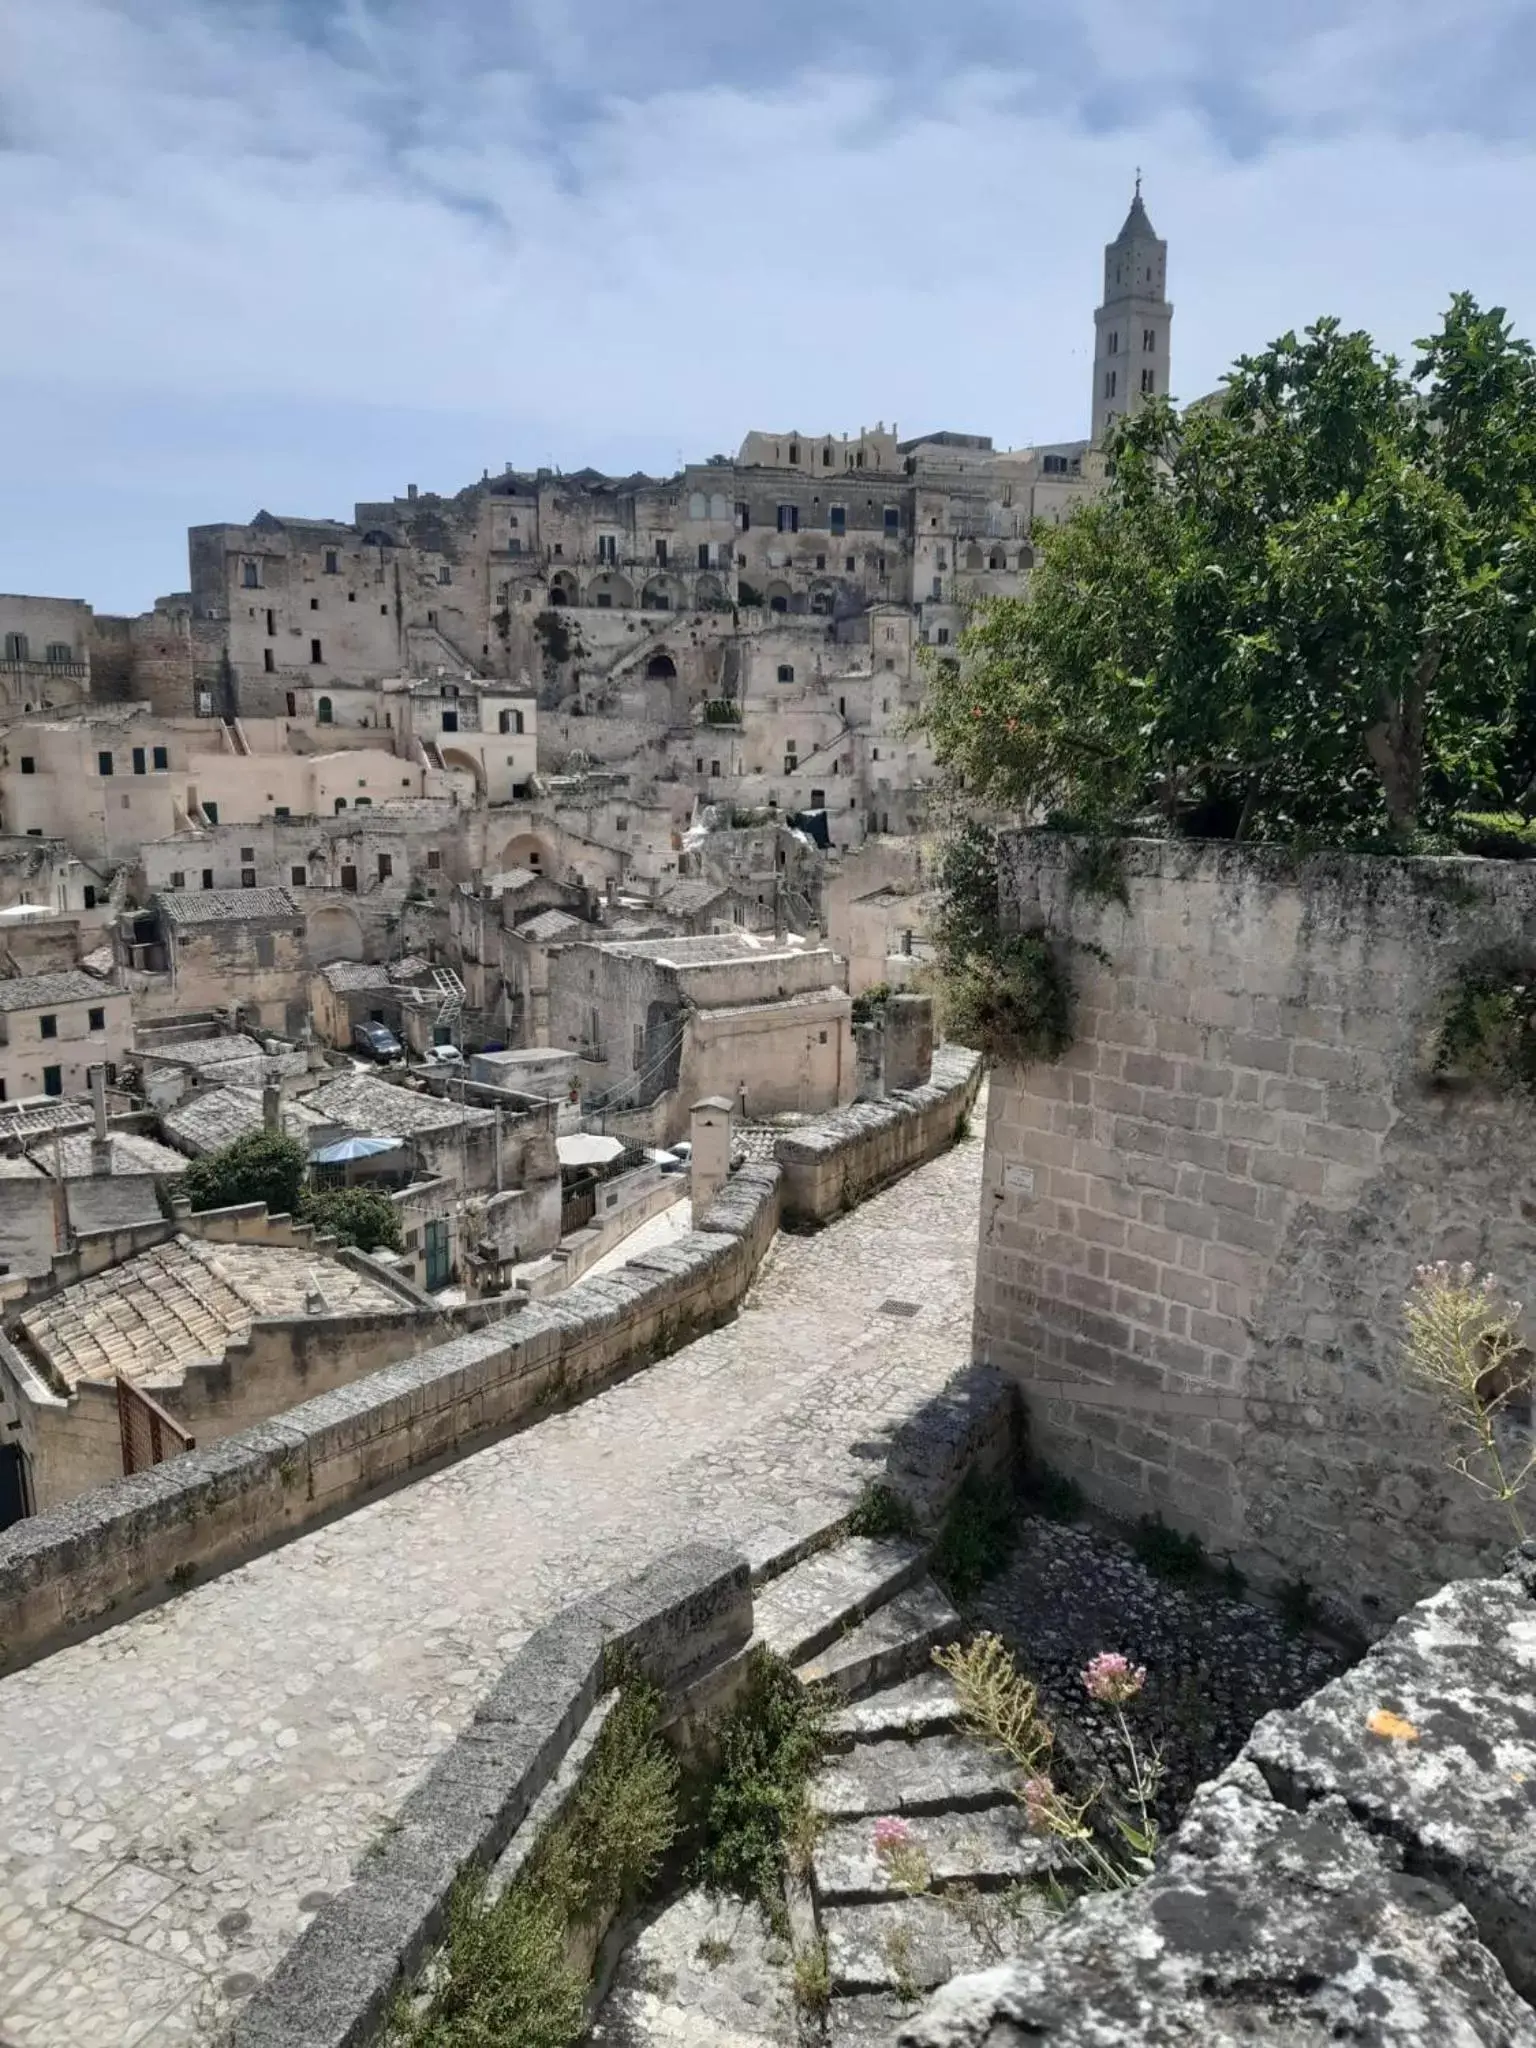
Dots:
pixel 360 1216
pixel 1304 611
pixel 263 1166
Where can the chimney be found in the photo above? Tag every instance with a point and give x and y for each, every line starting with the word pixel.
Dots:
pixel 99 1101
pixel 272 1107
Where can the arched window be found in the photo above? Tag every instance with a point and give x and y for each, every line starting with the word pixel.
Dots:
pixel 698 505
pixel 1026 558
pixel 786 673
pixel 323 711
pixel 778 604
pixel 997 559
pixel 341 805
pixel 973 556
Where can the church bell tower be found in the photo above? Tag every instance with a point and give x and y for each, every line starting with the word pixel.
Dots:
pixel 1131 356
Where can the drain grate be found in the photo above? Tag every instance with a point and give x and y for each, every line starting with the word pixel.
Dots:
pixel 898 1308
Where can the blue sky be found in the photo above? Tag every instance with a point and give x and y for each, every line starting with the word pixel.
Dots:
pixel 294 253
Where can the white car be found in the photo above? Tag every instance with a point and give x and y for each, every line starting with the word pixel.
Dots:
pixel 443 1055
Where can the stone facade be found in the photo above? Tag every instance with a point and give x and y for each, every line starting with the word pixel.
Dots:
pixel 1198 1226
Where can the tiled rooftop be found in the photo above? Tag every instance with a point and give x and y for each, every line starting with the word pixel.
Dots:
pixel 184 1301
pixel 380 1109
pixel 27 1119
pixel 208 1122
pixel 346 974
pixel 227 906
pixel 687 897
pixel 128 1152
pixel 550 924
pixel 43 991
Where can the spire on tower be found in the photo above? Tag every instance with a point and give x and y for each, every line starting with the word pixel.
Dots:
pixel 1137 225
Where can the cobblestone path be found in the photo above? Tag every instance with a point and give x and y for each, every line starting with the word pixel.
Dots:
pixel 178 1794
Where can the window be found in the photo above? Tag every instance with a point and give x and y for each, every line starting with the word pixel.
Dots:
pixel 138 761
pixel 330 562
pixel 818 799
pixel 698 766
pixel 349 879
pixel 178 878
pixel 821 561
pixel 743 520
pixel 247 878
pixel 90 895
pixel 60 651
pixel 1114 343
pixel 48 1025
pixel 938 586
pixel 786 672
pixel 28 765
pixel 714 767
pixel 1148 382
pixel 323 711
pixel 450 721
pixel 703 554
pixel 941 637
pixel 281 812
pixel 104 763
pixel 558 548
pixel 160 758
pixel 386 866
pixel 890 661
pixel 314 604
pixel 434 857
pixel 271 625
pixel 794 452
pixel 849 564
pixel 1109 383
pixel 621 824
pixel 511 721
pixel 211 813
pixel 892 519
pixel 661 553
pixel 250 575
pixel 53 1080
pixel 314 651
pixel 268 661
pixel 207 878
pixel 299 877
pixel 444 573
pixel 1149 341
pixel 607 547
pixel 96 1020
pixel 16 647
pixel 265 954
pixel 789 519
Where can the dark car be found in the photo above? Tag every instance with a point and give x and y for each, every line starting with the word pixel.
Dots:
pixel 375 1042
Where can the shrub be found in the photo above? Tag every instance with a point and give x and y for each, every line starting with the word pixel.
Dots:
pixel 1297 1603
pixel 1168 1553
pixel 770 1743
pixel 880 1512
pixel 1496 835
pixel 868 1005
pixel 357 1216
pixel 1005 994
pixel 1053 1494
pixel 1489 1029
pixel 1097 871
pixel 263 1166
pixel 1463 1348
pixel 978 1536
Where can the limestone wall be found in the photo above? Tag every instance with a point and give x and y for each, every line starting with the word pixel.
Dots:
pixel 1198 1227
pixel 1365 1871
pixel 847 1156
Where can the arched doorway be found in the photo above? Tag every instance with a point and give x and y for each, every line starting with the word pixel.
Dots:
pixel 528 850
pixel 562 588
pixel 335 933
pixel 661 668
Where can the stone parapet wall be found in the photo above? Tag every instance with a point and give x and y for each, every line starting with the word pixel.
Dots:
pixel 675 1624
pixel 848 1155
pixel 1198 1227
pixel 1365 1871
pixel 118 1547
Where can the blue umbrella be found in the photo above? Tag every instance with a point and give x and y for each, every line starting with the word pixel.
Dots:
pixel 347 1149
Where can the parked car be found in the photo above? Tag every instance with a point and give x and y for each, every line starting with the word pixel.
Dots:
pixel 375 1042
pixel 443 1055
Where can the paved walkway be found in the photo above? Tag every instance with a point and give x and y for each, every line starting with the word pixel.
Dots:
pixel 179 1794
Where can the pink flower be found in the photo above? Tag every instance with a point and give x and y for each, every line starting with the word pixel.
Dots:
pixel 891 1833
pixel 1112 1679
pixel 1038 1794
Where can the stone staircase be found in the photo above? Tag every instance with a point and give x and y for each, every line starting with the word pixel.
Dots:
pixel 863 1618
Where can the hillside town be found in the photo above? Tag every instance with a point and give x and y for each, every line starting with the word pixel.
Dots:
pixel 467 846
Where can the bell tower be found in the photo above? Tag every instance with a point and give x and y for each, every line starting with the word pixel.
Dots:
pixel 1131 355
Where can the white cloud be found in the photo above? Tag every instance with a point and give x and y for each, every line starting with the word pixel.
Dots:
pixel 199 212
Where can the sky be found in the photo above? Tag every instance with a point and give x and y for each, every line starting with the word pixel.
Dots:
pixel 296 253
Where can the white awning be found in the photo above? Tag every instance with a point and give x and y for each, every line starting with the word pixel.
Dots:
pixel 581 1148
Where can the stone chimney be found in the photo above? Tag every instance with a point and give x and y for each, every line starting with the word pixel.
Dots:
pixel 272 1107
pixel 99 1103
pixel 709 1129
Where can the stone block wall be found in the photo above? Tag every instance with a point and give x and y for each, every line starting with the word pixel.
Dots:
pixel 847 1156
pixel 1199 1225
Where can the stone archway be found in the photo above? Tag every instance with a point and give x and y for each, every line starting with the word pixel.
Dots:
pixel 335 932
pixel 461 758
pixel 528 850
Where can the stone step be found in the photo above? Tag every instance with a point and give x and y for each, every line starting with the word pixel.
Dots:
pixel 894 1642
pixel 703 1973
pixel 990 1848
pixel 813 1603
pixel 938 1774
pixel 925 1705
pixel 870 2019
pixel 906 1945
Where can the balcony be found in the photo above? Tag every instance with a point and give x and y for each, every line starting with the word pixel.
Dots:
pixel 72 671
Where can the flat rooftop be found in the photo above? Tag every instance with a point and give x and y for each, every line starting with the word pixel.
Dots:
pixel 185 1302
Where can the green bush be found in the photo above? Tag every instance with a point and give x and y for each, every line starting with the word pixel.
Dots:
pixel 1298 1606
pixel 880 1512
pixel 1496 835
pixel 1168 1553
pixel 868 1005
pixel 1489 1029
pixel 507 1974
pixel 1005 994
pixel 357 1216
pixel 770 1744
pixel 978 1536
pixel 1053 1494
pixel 263 1166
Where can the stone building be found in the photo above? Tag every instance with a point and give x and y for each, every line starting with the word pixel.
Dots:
pixel 55 1027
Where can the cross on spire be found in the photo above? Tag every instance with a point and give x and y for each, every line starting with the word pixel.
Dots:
pixel 1138 181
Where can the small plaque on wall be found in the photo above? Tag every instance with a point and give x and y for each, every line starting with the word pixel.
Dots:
pixel 1019 1180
